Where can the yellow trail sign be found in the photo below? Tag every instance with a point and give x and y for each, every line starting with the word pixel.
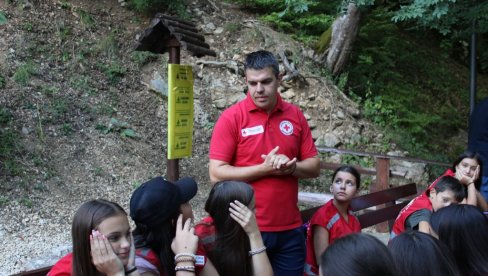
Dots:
pixel 180 111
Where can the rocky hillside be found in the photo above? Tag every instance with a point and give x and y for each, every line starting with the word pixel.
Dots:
pixel 79 121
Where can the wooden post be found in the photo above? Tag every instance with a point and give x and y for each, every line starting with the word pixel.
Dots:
pixel 173 166
pixel 382 183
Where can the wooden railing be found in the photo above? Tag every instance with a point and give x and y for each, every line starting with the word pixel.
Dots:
pixel 382 165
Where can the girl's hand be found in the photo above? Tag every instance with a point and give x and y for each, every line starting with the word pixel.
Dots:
pixel 245 217
pixel 103 256
pixel 466 180
pixel 132 253
pixel 185 240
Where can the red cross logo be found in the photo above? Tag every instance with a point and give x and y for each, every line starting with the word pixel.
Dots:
pixel 286 128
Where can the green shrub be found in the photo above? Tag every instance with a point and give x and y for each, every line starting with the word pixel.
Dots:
pixel 150 6
pixel 23 74
pixel 143 57
pixel 85 18
pixel 114 71
pixel 8 144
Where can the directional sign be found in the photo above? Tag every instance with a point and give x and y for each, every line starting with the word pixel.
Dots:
pixel 180 111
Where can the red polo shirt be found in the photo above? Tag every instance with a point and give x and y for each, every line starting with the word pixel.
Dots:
pixel 329 218
pixel 244 132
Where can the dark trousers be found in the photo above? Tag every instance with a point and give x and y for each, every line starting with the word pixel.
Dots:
pixel 286 251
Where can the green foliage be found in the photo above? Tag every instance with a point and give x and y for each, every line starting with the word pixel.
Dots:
pixel 63 32
pixel 82 83
pixel 408 85
pixel 108 46
pixel 85 18
pixel 446 16
pixel 27 202
pixel 28 27
pixel 378 111
pixel 64 4
pixel 324 41
pixel 296 7
pixel 67 129
pixel 23 74
pixel 114 71
pixel 3 18
pixel 8 144
pixel 119 127
pixel 232 27
pixel 149 6
pixel 143 57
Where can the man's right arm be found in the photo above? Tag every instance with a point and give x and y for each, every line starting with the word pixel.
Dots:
pixel 221 170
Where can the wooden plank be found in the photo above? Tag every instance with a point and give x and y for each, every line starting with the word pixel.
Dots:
pixel 36 272
pixel 381 215
pixel 382 197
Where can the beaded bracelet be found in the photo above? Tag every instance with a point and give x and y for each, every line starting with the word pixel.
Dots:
pixel 257 251
pixel 185 255
pixel 189 268
pixel 130 270
pixel 184 259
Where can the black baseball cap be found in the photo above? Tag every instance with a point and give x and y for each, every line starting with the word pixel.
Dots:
pixel 157 200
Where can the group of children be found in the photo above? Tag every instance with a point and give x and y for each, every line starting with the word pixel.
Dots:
pixel 164 242
pixel 428 237
pixel 442 231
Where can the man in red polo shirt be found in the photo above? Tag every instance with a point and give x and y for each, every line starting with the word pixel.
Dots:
pixel 267 142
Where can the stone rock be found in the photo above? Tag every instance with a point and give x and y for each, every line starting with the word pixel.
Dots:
pixel 219 30
pixel 288 94
pixel 355 112
pixel 340 115
pixel 208 28
pixel 316 134
pixel 312 124
pixel 330 140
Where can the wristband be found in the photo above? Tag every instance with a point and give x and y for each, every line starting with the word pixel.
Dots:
pixel 189 268
pixel 257 251
pixel 184 259
pixel 130 270
pixel 193 256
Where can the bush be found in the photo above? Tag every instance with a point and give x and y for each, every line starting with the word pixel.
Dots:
pixel 150 6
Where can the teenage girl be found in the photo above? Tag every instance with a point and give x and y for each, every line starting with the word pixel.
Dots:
pixel 334 219
pixel 229 236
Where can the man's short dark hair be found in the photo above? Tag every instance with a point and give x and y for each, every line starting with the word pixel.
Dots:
pixel 261 59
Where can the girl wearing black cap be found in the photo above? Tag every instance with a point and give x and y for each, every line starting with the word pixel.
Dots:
pixel 230 237
pixel 155 207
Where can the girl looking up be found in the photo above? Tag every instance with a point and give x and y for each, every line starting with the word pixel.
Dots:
pixel 334 219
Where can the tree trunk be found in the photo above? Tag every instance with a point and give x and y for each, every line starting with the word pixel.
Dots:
pixel 344 32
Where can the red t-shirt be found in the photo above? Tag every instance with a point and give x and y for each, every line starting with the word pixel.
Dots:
pixel 62 267
pixel 328 217
pixel 243 133
pixel 420 202
pixel 205 230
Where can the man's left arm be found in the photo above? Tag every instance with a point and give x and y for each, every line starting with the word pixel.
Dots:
pixel 307 168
